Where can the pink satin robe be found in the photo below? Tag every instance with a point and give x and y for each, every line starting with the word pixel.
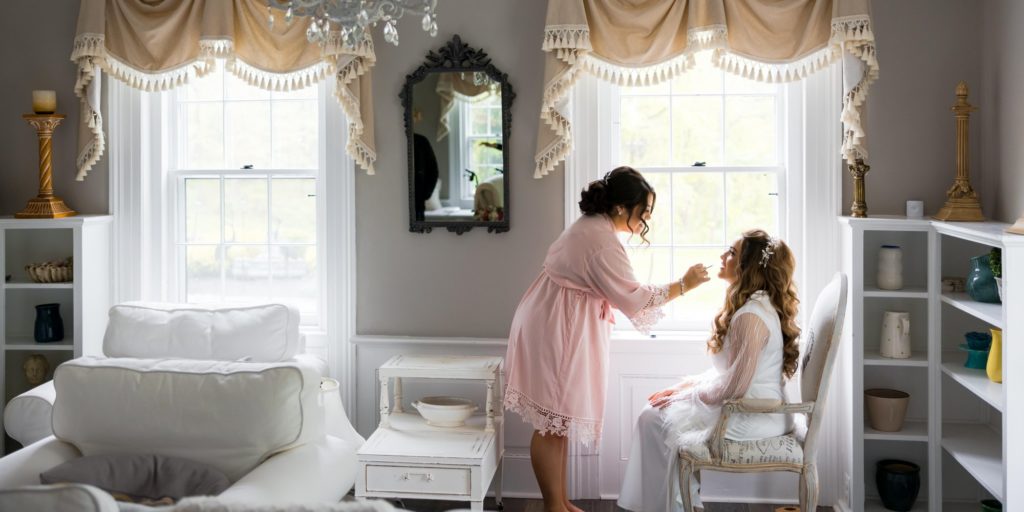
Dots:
pixel 557 360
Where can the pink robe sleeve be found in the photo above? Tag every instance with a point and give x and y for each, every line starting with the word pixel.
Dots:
pixel 748 335
pixel 611 276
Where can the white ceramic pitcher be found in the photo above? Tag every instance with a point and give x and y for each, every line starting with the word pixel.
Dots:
pixel 895 334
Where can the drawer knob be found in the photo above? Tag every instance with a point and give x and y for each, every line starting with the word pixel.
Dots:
pixel 426 476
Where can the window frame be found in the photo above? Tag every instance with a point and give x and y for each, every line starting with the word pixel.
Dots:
pixel 806 200
pixel 175 177
pixel 140 196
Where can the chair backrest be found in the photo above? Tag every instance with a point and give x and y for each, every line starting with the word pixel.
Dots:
pixel 258 332
pixel 820 349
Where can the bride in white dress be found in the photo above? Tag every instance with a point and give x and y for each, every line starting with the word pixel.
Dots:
pixel 753 350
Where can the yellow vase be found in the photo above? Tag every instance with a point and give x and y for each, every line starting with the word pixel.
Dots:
pixel 994 368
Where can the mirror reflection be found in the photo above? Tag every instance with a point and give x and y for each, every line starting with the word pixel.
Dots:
pixel 458 154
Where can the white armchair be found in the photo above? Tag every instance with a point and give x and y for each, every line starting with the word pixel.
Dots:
pixel 795 452
pixel 223 386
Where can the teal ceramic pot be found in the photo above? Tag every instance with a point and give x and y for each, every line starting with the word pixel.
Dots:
pixel 981 284
pixel 976 359
pixel 991 506
pixel 978 340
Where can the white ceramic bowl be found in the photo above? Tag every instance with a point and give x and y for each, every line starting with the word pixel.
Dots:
pixel 444 411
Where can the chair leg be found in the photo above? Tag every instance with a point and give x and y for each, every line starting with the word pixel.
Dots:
pixel 685 472
pixel 809 489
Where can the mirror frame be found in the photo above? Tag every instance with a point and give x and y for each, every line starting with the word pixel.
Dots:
pixel 457 56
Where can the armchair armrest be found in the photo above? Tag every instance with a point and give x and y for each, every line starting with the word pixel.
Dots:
pixel 27 416
pixel 750 406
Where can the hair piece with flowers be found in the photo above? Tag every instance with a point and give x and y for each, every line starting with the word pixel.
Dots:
pixel 768 251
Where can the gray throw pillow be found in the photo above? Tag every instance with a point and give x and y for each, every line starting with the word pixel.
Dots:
pixel 137 475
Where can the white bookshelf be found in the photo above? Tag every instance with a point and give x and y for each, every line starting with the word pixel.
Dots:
pixel 957 413
pixel 83 302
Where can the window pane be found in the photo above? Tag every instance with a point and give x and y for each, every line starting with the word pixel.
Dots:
pixel 293 270
pixel 237 89
pixel 248 134
pixel 651 264
pixel 204 136
pixel 293 210
pixel 247 276
pixel 479 122
pixel 644 135
pixel 245 210
pixel 750 130
pixel 207 88
pixel 703 78
pixel 699 203
pixel 697 122
pixel 700 304
pixel 296 135
pixel 202 273
pixel 751 203
pixel 202 210
pixel 661 218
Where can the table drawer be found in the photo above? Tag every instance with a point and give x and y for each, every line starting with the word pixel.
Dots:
pixel 418 479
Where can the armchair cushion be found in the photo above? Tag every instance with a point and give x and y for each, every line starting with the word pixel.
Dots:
pixel 141 475
pixel 785 449
pixel 226 414
pixel 81 498
pixel 261 333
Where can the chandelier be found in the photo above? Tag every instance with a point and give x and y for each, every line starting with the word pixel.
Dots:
pixel 353 17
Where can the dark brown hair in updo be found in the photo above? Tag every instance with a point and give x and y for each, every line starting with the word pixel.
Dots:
pixel 624 187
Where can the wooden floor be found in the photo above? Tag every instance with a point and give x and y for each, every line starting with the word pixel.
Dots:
pixel 529 505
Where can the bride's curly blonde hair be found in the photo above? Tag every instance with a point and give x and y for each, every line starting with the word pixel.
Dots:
pixel 765 263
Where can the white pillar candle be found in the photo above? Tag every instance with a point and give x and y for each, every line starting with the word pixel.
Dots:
pixel 44 102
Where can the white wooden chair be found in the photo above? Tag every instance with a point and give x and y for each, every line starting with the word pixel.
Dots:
pixel 795 452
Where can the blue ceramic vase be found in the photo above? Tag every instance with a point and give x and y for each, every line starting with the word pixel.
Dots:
pixel 981 284
pixel 49 326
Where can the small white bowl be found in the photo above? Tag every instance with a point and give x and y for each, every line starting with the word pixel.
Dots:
pixel 445 411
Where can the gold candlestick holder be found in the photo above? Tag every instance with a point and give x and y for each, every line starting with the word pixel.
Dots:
pixel 961 199
pixel 858 169
pixel 45 205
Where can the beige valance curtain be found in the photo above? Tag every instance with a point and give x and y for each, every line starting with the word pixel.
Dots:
pixel 643 42
pixel 160 44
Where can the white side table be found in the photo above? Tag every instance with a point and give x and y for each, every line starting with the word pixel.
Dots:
pixel 406 458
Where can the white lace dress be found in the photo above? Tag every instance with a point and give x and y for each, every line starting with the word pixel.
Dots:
pixel 748 366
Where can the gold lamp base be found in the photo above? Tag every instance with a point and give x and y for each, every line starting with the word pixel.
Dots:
pixel 961 210
pixel 51 207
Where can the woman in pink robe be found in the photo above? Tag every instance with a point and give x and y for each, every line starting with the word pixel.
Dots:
pixel 557 360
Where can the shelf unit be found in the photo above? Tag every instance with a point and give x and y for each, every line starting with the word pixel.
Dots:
pixel 957 414
pixel 83 302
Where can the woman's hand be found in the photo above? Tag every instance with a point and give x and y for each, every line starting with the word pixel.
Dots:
pixel 694 277
pixel 661 399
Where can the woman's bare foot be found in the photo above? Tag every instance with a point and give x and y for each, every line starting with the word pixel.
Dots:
pixel 571 507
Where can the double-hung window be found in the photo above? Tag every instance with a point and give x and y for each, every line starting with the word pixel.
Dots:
pixel 712 145
pixel 242 179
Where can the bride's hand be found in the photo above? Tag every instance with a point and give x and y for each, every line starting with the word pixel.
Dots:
pixel 661 399
pixel 695 276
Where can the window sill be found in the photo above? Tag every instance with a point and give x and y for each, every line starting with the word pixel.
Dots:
pixel 664 336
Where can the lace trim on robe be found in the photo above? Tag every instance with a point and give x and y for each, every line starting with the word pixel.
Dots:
pixel 651 313
pixel 587 431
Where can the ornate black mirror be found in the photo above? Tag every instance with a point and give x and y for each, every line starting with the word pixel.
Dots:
pixel 458 114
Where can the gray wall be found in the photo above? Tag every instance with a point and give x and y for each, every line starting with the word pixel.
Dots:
pixel 36 51
pixel 924 48
pixel 1003 144
pixel 442 284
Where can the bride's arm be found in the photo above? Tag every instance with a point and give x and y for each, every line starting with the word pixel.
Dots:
pixel 748 335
